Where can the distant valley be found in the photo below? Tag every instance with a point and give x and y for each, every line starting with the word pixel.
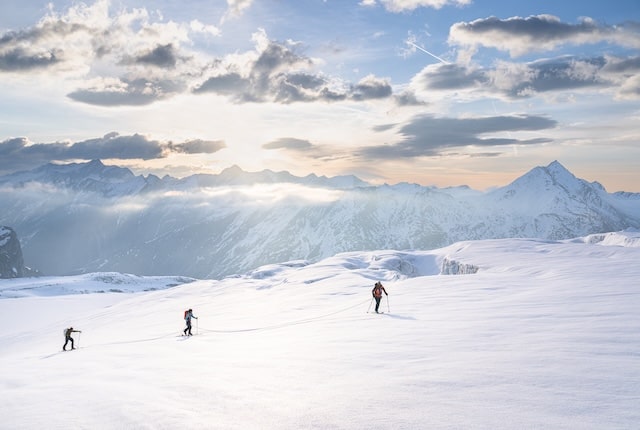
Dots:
pixel 89 217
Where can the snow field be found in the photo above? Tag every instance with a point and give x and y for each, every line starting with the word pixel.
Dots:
pixel 545 335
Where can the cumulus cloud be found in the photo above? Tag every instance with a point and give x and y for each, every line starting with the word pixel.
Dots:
pixel 125 57
pixel 371 87
pixel 511 80
pixel 111 145
pixel 426 135
pixel 449 77
pixel 20 153
pixel 236 8
pixel 199 27
pixel 630 88
pixel 43 46
pixel 119 92
pixel 289 143
pixel 560 74
pixel 198 146
pixel 520 36
pixel 19 59
pixel 72 39
pixel 276 73
pixel 304 149
pixel 159 56
pixel 398 6
pixel 625 73
pixel 408 98
pixel 272 73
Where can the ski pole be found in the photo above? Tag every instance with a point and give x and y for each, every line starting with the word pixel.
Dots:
pixel 370 303
pixel 79 333
pixel 388 308
pixel 197 320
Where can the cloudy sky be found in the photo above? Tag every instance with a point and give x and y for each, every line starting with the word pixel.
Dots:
pixel 437 92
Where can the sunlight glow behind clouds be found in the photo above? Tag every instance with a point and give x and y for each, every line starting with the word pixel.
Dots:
pixel 257 78
pixel 259 194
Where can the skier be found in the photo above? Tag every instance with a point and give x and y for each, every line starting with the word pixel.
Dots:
pixel 377 291
pixel 187 316
pixel 67 337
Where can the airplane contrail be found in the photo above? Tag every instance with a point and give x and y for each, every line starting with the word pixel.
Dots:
pixel 424 50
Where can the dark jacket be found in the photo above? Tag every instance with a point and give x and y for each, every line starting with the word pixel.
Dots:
pixel 67 332
pixel 378 290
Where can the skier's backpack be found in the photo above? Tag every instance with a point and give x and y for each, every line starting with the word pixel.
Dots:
pixel 185 314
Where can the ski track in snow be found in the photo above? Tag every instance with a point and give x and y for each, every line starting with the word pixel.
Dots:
pixel 544 335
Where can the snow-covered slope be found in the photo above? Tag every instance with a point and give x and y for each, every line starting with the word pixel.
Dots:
pixel 90 283
pixel 545 334
pixel 215 225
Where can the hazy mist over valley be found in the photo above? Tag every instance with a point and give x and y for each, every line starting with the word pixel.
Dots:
pixel 88 217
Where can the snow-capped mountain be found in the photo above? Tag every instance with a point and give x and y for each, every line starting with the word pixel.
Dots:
pixel 550 202
pixel 236 176
pixel 92 177
pixel 90 217
pixel 114 181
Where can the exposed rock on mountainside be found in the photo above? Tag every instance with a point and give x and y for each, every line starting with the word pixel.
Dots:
pixel 452 267
pixel 11 262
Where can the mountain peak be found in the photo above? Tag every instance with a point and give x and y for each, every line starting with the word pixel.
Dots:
pixel 556 166
pixel 544 178
pixel 543 187
pixel 556 169
pixel 232 170
pixel 95 163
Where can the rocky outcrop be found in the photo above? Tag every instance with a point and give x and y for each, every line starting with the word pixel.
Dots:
pixel 11 262
pixel 452 267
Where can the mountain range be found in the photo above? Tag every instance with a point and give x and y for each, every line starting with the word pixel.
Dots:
pixel 89 217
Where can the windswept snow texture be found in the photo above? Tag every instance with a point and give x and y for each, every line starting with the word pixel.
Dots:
pixel 544 335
